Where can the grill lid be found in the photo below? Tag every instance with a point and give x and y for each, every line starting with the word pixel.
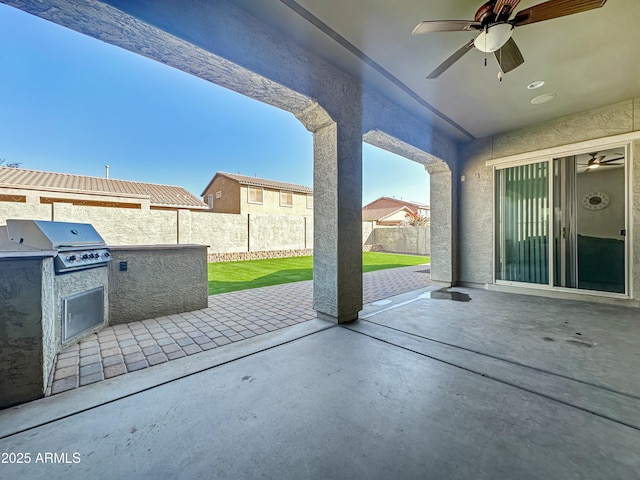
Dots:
pixel 54 235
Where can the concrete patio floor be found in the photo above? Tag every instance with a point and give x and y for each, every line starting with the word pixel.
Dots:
pixel 503 386
pixel 230 317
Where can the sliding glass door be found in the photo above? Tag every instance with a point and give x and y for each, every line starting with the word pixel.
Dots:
pixel 590 221
pixel 570 210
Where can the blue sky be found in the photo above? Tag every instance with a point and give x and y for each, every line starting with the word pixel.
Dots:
pixel 73 104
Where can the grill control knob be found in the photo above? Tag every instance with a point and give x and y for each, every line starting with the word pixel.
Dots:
pixel 71 258
pixel 107 254
pixel 85 256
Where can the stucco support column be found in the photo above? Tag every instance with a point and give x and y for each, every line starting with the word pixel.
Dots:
pixel 443 225
pixel 337 191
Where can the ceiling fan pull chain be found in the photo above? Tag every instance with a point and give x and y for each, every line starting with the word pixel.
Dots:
pixel 486 30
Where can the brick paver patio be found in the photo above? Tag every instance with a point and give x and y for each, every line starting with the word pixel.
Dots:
pixel 230 317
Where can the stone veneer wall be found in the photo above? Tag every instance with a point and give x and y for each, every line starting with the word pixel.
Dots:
pixel 476 191
pixel 238 256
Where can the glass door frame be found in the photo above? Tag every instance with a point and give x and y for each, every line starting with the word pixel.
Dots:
pixel 549 158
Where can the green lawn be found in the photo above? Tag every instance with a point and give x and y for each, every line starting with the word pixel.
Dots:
pixel 232 276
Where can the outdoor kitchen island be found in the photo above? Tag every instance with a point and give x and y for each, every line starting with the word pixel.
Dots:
pixel 48 304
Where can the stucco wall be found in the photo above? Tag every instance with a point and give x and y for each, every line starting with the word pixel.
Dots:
pixel 160 280
pixel 27 211
pixel 476 190
pixel 229 201
pixel 410 240
pixel 123 225
pixel 271 204
pixel 50 342
pixel 283 232
pixel 367 233
pixel 443 245
pixel 221 232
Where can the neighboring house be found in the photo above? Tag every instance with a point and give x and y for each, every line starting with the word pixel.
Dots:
pixel 386 216
pixel 37 187
pixel 392 211
pixel 230 193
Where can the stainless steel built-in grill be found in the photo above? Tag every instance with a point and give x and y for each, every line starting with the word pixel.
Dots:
pixel 79 245
pixel 80 288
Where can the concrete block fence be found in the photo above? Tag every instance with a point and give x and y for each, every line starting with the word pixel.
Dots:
pixel 230 237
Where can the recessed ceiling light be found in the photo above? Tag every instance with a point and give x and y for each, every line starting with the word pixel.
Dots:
pixel 547 97
pixel 536 84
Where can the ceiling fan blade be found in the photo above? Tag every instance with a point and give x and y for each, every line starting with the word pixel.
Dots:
pixel 504 8
pixel 446 26
pixel 457 55
pixel 509 56
pixel 611 160
pixel 554 9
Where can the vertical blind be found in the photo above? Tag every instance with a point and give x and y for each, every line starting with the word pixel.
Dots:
pixel 522 207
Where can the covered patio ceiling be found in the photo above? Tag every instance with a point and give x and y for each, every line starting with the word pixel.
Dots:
pixel 588 60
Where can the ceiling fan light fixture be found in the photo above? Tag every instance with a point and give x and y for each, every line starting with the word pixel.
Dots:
pixel 547 97
pixel 494 37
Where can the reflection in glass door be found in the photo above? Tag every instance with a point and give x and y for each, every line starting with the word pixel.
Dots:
pixel 590 221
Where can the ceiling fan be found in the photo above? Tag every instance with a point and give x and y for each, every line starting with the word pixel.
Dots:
pixel 599 161
pixel 492 21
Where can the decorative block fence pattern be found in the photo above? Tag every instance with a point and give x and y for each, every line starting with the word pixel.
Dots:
pixel 238 256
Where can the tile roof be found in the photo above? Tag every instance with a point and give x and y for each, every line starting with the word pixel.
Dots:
pixel 261 182
pixel 399 201
pixel 159 195
pixel 377 214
